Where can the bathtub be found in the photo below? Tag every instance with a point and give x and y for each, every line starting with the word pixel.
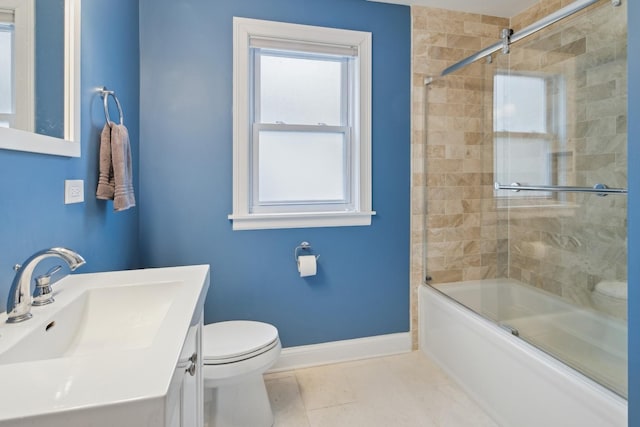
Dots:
pixel 517 383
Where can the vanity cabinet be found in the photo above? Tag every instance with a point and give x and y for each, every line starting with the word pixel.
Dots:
pixel 185 398
pixel 127 353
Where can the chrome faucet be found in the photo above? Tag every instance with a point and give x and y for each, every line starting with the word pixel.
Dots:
pixel 19 299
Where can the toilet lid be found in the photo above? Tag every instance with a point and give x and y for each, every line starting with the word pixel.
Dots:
pixel 228 340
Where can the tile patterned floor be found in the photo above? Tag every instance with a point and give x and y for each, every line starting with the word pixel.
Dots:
pixel 405 390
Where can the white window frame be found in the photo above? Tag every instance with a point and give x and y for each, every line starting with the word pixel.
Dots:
pixel 247 214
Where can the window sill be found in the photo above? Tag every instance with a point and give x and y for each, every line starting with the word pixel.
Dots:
pixel 300 220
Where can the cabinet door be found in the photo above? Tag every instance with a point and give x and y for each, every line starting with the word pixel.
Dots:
pixel 191 397
pixel 185 399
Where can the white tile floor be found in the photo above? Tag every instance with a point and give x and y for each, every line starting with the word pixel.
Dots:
pixel 406 390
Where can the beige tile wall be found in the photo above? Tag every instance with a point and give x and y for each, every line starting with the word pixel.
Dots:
pixel 451 166
pixel 455 220
pixel 536 12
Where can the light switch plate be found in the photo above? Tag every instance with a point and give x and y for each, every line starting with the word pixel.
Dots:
pixel 73 191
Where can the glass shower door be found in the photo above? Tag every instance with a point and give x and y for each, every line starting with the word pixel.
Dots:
pixel 559 120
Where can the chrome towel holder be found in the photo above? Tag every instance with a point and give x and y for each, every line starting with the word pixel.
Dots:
pixel 105 93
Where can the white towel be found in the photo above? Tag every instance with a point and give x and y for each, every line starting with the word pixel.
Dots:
pixel 116 172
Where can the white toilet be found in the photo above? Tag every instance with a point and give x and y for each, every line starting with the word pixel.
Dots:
pixel 610 296
pixel 235 355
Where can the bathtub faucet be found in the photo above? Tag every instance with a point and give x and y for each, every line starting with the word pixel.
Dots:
pixel 19 299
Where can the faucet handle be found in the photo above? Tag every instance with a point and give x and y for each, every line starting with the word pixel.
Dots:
pixel 44 279
pixel 42 293
pixel 17 267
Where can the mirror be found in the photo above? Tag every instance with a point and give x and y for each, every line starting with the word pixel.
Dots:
pixel 62 98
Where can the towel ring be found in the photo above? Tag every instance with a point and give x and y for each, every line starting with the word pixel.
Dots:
pixel 104 93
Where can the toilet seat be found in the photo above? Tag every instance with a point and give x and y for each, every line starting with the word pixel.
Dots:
pixel 237 340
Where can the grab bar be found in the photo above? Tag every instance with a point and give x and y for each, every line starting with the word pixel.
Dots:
pixel 599 189
pixel 104 93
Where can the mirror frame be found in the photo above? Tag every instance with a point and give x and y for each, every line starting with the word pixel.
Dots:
pixel 15 139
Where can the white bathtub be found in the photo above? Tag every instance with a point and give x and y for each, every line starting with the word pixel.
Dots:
pixel 515 382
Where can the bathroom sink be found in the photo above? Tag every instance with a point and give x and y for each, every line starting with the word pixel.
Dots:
pixel 111 318
pixel 109 340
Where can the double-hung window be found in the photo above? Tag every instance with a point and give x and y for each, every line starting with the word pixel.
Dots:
pixel 529 122
pixel 17 88
pixel 301 126
pixel 7 91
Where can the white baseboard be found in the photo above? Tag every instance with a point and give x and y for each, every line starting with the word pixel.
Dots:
pixel 342 351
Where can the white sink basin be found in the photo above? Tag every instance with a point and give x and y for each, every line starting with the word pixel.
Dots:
pixel 107 318
pixel 108 338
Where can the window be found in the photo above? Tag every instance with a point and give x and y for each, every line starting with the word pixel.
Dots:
pixel 17 86
pixel 7 104
pixel 301 126
pixel 528 124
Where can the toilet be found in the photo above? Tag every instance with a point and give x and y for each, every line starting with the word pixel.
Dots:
pixel 235 356
pixel 610 296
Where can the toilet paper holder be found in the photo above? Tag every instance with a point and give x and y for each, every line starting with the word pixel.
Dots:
pixel 304 246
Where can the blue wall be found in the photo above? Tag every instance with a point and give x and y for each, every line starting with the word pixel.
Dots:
pixel 634 212
pixel 362 288
pixel 32 211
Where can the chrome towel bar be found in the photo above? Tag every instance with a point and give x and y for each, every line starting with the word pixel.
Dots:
pixel 599 189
